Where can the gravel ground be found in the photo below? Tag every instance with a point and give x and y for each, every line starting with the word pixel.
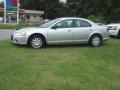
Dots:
pixel 6 34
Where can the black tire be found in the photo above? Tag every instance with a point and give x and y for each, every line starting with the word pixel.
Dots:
pixel 95 41
pixel 118 36
pixel 36 41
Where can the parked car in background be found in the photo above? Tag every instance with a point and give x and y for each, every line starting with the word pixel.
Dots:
pixel 69 30
pixel 1 19
pixel 114 29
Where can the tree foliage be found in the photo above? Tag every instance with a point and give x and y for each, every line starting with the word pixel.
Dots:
pixel 109 10
pixel 52 8
pixel 2 4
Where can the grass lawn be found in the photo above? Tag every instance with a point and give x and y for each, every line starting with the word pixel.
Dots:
pixel 60 67
pixel 14 26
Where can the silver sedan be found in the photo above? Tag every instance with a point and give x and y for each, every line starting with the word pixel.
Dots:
pixel 69 30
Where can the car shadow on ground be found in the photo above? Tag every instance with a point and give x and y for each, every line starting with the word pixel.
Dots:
pixel 68 45
pixel 113 37
pixel 19 46
pixel 58 46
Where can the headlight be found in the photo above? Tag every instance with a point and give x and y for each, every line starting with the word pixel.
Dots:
pixel 20 33
pixel 114 28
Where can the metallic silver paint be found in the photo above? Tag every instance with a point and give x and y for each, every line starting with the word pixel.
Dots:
pixel 63 35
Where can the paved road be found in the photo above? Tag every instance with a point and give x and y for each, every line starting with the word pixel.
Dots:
pixel 5 34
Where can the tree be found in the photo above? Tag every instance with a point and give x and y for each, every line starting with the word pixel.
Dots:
pixel 52 8
pixel 109 9
pixel 1 4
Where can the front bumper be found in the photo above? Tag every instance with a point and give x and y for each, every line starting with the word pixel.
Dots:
pixel 19 39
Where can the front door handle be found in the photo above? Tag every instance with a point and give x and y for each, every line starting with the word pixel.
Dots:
pixel 69 30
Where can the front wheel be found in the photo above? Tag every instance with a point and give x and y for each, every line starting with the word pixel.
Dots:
pixel 36 41
pixel 95 41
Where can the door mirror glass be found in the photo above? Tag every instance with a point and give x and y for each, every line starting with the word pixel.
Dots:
pixel 55 27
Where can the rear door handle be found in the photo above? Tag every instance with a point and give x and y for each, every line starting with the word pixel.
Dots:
pixel 69 30
pixel 90 29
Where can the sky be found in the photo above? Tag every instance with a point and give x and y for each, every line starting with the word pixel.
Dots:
pixel 60 0
pixel 1 0
pixel 63 0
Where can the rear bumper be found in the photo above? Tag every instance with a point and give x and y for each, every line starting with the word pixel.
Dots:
pixel 105 39
pixel 106 36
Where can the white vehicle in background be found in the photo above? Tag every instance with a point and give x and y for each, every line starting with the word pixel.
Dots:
pixel 1 19
pixel 114 29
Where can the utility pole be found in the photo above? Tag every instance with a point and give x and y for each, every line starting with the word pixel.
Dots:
pixel 5 13
pixel 18 10
pixel 74 13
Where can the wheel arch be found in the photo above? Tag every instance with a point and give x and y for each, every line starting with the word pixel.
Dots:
pixel 34 35
pixel 99 34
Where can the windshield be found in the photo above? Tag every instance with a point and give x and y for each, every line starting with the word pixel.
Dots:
pixel 46 25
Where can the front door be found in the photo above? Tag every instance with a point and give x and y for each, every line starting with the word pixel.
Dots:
pixel 61 32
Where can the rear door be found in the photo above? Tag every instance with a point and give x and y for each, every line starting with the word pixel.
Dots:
pixel 82 30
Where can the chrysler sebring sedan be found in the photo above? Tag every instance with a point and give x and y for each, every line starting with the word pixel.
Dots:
pixel 69 30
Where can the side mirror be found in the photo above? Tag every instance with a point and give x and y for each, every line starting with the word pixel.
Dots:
pixel 55 27
pixel 17 29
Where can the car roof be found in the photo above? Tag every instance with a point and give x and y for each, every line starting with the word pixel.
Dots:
pixel 63 18
pixel 72 18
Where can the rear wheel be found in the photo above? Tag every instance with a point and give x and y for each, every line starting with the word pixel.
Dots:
pixel 36 41
pixel 95 41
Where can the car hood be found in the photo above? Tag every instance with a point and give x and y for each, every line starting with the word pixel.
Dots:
pixel 30 29
pixel 113 25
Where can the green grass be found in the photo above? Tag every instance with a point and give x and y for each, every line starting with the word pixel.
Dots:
pixel 14 26
pixel 60 67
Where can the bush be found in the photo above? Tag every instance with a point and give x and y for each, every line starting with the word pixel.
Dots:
pixel 97 19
